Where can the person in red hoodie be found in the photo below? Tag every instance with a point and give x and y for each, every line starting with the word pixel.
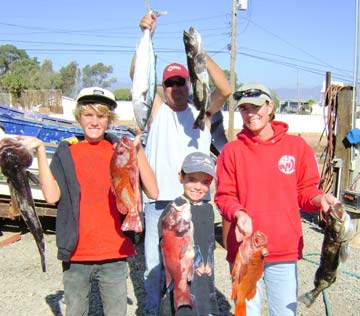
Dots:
pixel 264 178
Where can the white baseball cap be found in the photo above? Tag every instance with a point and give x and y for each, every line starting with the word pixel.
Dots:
pixel 97 94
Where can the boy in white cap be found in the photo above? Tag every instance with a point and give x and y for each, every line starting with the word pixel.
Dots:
pixel 196 175
pixel 91 244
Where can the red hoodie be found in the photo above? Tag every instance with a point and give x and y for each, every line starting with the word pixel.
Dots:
pixel 269 180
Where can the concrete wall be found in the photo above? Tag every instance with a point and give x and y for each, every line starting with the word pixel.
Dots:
pixel 297 123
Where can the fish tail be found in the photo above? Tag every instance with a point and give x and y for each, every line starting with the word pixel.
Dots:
pixel 200 122
pixel 38 235
pixel 240 308
pixel 308 298
pixel 132 222
pixel 182 298
pixel 42 256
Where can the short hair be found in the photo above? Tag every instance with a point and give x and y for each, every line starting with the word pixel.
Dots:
pixel 99 108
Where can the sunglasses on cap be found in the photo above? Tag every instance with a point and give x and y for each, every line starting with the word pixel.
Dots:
pixel 179 82
pixel 250 93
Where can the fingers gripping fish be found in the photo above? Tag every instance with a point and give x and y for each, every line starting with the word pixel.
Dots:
pixel 125 185
pixel 15 158
pixel 335 249
pixel 196 61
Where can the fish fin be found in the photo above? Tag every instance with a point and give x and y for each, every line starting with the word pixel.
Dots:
pixel 112 188
pixel 251 294
pixel 33 178
pixel 306 299
pixel 199 122
pixel 240 307
pixel 132 222
pixel 168 278
pixel 124 202
pixel 344 252
pixel 14 205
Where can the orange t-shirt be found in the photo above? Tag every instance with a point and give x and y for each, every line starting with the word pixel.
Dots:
pixel 100 235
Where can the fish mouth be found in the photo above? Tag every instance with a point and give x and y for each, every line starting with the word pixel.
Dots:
pixel 259 239
pixel 341 222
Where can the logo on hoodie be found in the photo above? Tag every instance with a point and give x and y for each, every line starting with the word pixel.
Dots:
pixel 286 164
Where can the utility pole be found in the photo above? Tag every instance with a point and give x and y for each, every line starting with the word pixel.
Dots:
pixel 236 5
pixel 356 65
pixel 241 5
pixel 232 71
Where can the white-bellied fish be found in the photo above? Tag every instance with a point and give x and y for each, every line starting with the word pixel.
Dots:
pixel 144 80
pixel 15 159
pixel 196 61
pixel 335 249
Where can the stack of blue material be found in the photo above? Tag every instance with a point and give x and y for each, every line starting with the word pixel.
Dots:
pixel 49 129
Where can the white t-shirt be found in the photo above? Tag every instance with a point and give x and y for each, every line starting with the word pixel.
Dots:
pixel 170 139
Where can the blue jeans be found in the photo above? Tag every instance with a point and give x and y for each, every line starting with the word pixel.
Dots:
pixel 281 287
pixel 153 276
pixel 111 276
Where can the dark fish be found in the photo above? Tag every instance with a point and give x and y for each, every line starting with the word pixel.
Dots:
pixel 15 158
pixel 196 62
pixel 248 269
pixel 335 249
pixel 178 251
pixel 125 185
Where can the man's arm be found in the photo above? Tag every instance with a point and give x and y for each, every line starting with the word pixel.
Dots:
pixel 222 87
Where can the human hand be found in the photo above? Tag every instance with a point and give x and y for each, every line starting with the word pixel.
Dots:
pixel 324 201
pixel 148 21
pixel 243 225
pixel 30 142
pixel 137 139
pixel 327 200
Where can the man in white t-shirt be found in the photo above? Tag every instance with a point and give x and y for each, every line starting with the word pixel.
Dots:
pixel 171 137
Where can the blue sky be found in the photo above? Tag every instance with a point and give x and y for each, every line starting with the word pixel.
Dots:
pixel 283 44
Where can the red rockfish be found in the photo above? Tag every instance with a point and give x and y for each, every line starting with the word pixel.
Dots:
pixel 178 251
pixel 125 184
pixel 248 269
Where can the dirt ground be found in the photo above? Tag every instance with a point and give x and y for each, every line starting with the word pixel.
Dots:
pixel 26 291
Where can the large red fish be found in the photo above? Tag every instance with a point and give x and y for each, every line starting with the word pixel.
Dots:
pixel 125 184
pixel 247 270
pixel 178 251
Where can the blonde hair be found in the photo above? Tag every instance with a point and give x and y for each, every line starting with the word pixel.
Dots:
pixel 99 108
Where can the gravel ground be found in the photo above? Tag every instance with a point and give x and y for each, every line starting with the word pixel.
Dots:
pixel 26 290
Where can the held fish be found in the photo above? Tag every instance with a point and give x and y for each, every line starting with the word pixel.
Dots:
pixel 124 173
pixel 144 80
pixel 196 62
pixel 335 249
pixel 178 252
pixel 15 159
pixel 248 269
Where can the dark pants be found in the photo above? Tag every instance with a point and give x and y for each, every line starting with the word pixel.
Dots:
pixel 111 277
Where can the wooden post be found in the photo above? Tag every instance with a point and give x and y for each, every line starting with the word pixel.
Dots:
pixel 344 125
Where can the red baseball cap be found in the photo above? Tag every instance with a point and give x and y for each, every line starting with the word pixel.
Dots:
pixel 175 70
